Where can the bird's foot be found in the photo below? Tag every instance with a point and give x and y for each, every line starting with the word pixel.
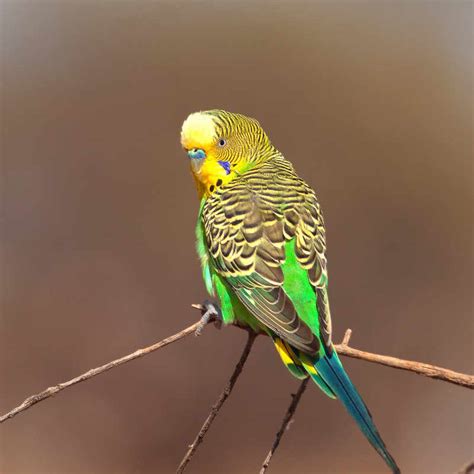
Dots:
pixel 210 312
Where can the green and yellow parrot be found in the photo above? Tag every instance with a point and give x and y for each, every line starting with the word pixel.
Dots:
pixel 262 245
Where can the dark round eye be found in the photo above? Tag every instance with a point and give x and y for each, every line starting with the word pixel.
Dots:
pixel 222 142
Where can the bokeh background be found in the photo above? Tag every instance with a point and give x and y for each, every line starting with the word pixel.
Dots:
pixel 372 101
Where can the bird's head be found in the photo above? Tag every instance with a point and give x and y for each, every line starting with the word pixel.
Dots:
pixel 220 145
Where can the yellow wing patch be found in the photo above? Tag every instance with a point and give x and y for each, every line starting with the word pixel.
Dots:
pixel 282 351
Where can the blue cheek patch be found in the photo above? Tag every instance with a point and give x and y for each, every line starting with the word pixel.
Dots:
pixel 225 165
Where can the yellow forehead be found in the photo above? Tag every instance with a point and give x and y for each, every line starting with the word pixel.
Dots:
pixel 198 131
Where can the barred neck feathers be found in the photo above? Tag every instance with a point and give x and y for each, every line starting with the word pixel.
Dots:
pixel 222 146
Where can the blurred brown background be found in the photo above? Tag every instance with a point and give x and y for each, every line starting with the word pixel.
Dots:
pixel 372 102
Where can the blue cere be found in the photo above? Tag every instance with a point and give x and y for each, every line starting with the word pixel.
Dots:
pixel 196 154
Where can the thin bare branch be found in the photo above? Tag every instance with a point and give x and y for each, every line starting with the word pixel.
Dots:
pixel 420 368
pixel 218 405
pixel 38 397
pixel 285 423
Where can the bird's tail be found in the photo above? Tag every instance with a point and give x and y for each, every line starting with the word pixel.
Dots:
pixel 330 370
pixel 329 374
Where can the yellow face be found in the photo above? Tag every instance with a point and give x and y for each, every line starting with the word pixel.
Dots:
pixel 201 139
pixel 221 145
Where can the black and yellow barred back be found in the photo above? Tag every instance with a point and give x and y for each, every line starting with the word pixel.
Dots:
pixel 247 223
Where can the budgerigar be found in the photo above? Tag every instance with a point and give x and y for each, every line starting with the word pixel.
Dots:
pixel 262 245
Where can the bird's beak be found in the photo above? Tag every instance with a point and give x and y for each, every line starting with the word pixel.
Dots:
pixel 196 156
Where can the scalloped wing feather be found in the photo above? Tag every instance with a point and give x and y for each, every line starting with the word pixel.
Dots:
pixel 247 225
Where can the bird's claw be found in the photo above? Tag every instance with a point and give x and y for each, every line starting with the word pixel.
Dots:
pixel 210 312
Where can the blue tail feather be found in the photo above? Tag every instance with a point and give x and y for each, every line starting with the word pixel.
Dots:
pixel 331 371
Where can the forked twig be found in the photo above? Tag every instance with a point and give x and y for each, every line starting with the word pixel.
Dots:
pixel 421 368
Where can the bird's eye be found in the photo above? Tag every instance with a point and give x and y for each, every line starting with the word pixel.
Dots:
pixel 222 142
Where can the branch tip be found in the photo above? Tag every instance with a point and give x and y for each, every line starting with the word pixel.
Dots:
pixel 347 337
